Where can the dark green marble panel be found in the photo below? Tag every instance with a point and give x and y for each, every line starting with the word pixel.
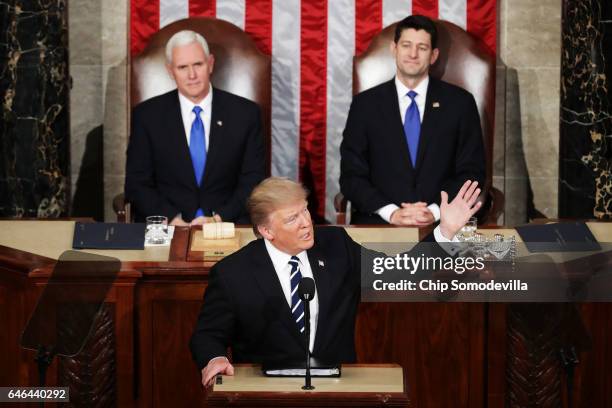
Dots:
pixel 585 148
pixel 34 130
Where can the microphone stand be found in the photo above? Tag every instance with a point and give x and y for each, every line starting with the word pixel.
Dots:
pixel 44 358
pixel 308 385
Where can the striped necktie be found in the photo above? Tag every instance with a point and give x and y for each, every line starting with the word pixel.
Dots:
pixel 297 306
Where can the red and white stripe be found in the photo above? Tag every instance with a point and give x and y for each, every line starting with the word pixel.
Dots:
pixel 312 43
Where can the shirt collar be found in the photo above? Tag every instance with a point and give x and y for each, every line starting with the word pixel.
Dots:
pixel 281 259
pixel 420 89
pixel 187 106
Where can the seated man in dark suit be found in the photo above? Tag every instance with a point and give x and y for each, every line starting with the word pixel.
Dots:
pixel 251 305
pixel 195 153
pixel 409 138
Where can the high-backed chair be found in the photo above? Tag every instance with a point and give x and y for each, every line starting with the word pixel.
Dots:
pixel 463 62
pixel 240 68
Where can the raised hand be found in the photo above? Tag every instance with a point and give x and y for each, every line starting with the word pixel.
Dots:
pixel 455 214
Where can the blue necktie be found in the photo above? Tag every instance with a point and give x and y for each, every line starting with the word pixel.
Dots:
pixel 297 307
pixel 412 127
pixel 197 148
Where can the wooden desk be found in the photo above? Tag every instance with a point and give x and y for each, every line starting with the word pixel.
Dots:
pixel 455 354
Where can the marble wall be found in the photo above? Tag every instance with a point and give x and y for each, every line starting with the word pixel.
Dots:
pixel 527 116
pixel 98 38
pixel 586 110
pixel 528 107
pixel 34 127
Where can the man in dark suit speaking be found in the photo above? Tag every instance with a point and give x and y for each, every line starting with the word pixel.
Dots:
pixel 409 138
pixel 195 153
pixel 251 305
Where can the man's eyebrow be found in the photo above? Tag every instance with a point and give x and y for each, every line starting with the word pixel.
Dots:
pixel 289 216
pixel 411 42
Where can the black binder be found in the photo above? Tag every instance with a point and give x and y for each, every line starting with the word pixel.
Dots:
pixel 103 235
pixel 558 237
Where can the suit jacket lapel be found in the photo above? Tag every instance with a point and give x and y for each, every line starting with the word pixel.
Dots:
pixel 430 118
pixel 215 133
pixel 177 132
pixel 321 276
pixel 391 113
pixel 267 280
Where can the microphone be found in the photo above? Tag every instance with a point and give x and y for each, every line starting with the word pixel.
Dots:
pixel 306 289
pixel 306 292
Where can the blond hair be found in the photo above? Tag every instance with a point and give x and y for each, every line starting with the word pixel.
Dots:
pixel 271 194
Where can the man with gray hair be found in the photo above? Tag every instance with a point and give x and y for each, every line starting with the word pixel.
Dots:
pixel 195 153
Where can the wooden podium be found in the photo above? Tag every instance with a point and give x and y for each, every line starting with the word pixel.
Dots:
pixel 360 385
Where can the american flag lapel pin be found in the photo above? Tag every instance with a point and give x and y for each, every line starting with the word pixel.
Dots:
pixel 321 263
pixel 436 104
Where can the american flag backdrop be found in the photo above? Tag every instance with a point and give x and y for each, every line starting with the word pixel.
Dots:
pixel 312 44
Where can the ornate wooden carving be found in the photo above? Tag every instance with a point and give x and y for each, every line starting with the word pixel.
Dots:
pixel 91 375
pixel 537 336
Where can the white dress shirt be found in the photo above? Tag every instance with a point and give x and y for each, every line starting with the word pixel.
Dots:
pixel 404 99
pixel 188 115
pixel 280 260
pixel 404 102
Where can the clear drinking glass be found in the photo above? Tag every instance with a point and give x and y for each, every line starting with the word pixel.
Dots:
pixel 468 230
pixel 157 229
pixel 479 245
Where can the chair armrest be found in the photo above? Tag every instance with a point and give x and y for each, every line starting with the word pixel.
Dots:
pixel 496 209
pixel 341 204
pixel 122 209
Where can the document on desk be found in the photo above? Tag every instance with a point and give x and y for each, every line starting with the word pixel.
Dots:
pixel 301 372
pixel 317 369
pixel 108 235
pixel 558 237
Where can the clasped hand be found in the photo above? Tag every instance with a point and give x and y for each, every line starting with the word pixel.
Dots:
pixel 178 220
pixel 412 214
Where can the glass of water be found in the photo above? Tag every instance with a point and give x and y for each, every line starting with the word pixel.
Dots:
pixel 469 229
pixel 157 229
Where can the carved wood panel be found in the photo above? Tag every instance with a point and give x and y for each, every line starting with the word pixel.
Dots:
pixel 540 341
pixel 91 374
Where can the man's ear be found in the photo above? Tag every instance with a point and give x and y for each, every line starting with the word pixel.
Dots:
pixel 211 63
pixel 434 56
pixel 393 47
pixel 169 69
pixel 265 232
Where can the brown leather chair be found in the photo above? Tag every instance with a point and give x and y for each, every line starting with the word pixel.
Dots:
pixel 463 62
pixel 240 68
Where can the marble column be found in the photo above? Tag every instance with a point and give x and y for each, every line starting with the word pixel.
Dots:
pixel 34 126
pixel 585 156
pixel 527 106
